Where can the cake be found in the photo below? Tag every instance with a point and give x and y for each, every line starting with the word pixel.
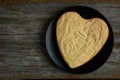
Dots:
pixel 79 39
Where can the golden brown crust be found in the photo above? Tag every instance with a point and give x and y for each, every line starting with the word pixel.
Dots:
pixel 79 39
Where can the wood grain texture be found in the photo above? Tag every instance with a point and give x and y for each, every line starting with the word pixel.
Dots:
pixel 60 1
pixel 23 54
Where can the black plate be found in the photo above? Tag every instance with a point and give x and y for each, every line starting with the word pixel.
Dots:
pixel 54 52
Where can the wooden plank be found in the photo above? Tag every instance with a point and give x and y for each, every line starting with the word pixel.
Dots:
pixel 23 54
pixel 60 1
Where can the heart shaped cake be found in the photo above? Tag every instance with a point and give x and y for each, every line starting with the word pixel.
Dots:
pixel 79 39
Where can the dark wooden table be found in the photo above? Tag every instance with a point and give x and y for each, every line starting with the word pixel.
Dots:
pixel 23 54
